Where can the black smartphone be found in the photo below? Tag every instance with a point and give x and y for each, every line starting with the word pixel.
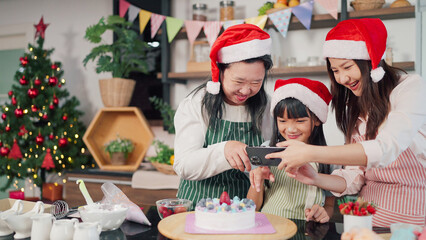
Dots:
pixel 257 155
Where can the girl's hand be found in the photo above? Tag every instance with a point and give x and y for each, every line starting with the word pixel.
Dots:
pixel 317 214
pixel 236 155
pixel 306 174
pixel 258 176
pixel 293 157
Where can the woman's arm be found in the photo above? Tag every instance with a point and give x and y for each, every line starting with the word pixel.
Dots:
pixel 329 206
pixel 257 197
pixel 192 160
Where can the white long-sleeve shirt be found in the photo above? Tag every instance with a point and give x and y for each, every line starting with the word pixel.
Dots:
pixel 192 160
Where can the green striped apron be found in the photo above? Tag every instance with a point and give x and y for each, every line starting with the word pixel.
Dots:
pixel 288 197
pixel 235 182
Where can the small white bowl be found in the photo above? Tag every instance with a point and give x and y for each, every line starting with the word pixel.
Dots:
pixel 109 216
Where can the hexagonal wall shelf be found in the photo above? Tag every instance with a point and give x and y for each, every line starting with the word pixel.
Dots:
pixel 128 122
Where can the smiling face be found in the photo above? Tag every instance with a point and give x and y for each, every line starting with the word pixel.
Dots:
pixel 242 80
pixel 296 128
pixel 347 73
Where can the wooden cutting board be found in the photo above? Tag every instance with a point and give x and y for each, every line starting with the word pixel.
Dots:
pixel 173 227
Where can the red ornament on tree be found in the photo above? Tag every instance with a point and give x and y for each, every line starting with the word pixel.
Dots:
pixel 51 106
pixel 54 66
pixel 59 85
pixel 40 28
pixel 15 152
pixel 7 128
pixel 23 81
pixel 1 144
pixel 34 108
pixel 13 100
pixel 3 116
pixel 65 117
pixel 39 139
pixel 10 93
pixel 51 136
pixel 22 131
pixel 4 151
pixel 37 82
pixel 44 116
pixel 24 61
pixel 19 112
pixel 48 161
pixel 32 92
pixel 53 81
pixel 62 142
pixel 55 100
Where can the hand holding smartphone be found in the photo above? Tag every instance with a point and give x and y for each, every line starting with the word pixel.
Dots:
pixel 257 155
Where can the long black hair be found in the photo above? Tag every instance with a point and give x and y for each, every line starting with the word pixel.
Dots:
pixel 214 104
pixel 296 109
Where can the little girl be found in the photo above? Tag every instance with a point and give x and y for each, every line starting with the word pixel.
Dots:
pixel 299 107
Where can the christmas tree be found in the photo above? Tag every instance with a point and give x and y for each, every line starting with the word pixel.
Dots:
pixel 40 131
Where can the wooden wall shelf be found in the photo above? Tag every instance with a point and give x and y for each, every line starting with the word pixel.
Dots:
pixel 275 72
pixel 327 21
pixel 128 122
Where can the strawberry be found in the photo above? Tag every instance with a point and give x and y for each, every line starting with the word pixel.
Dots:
pixel 224 198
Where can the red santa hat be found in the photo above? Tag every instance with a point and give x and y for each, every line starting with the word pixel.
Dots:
pixel 235 44
pixel 361 39
pixel 313 94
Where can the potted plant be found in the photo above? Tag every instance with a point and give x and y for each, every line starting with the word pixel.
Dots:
pixel 164 160
pixel 126 54
pixel 119 149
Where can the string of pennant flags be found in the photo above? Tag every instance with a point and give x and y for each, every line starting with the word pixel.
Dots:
pixel 280 19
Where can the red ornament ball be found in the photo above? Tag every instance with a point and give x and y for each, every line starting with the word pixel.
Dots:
pixel 3 116
pixel 24 61
pixel 19 112
pixel 55 100
pixel 53 81
pixel 39 139
pixel 51 136
pixel 23 81
pixel 32 92
pixel 4 151
pixel 65 117
pixel 1 144
pixel 62 142
pixel 7 128
pixel 37 82
pixel 10 93
pixel 51 106
pixel 54 66
pixel 44 116
pixel 13 100
pixel 34 108
pixel 59 85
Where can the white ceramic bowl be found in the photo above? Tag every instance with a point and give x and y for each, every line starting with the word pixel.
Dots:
pixel 109 216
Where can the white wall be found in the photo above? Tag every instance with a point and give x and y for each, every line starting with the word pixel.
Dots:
pixel 68 20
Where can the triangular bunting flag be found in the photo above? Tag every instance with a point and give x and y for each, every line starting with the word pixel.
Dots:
pixel 211 30
pixel 133 13
pixel 231 23
pixel 123 6
pixel 15 152
pixel 304 13
pixel 330 6
pixel 281 20
pixel 144 17
pixel 173 27
pixel 193 28
pixel 259 21
pixel 48 161
pixel 156 21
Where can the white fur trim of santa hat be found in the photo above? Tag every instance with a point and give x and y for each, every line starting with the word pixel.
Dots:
pixel 245 50
pixel 213 87
pixel 313 101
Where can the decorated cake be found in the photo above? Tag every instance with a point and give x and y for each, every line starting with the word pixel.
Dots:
pixel 225 214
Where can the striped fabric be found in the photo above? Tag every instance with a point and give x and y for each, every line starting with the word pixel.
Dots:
pixel 399 190
pixel 287 196
pixel 235 182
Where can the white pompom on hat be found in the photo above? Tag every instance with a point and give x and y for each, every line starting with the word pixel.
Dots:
pixel 237 43
pixel 313 94
pixel 361 39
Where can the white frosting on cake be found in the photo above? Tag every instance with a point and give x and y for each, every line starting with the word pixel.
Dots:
pixel 213 216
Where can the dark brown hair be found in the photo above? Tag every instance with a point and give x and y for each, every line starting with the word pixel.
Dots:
pixel 374 101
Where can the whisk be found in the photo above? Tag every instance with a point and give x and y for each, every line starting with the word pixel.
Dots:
pixel 60 209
